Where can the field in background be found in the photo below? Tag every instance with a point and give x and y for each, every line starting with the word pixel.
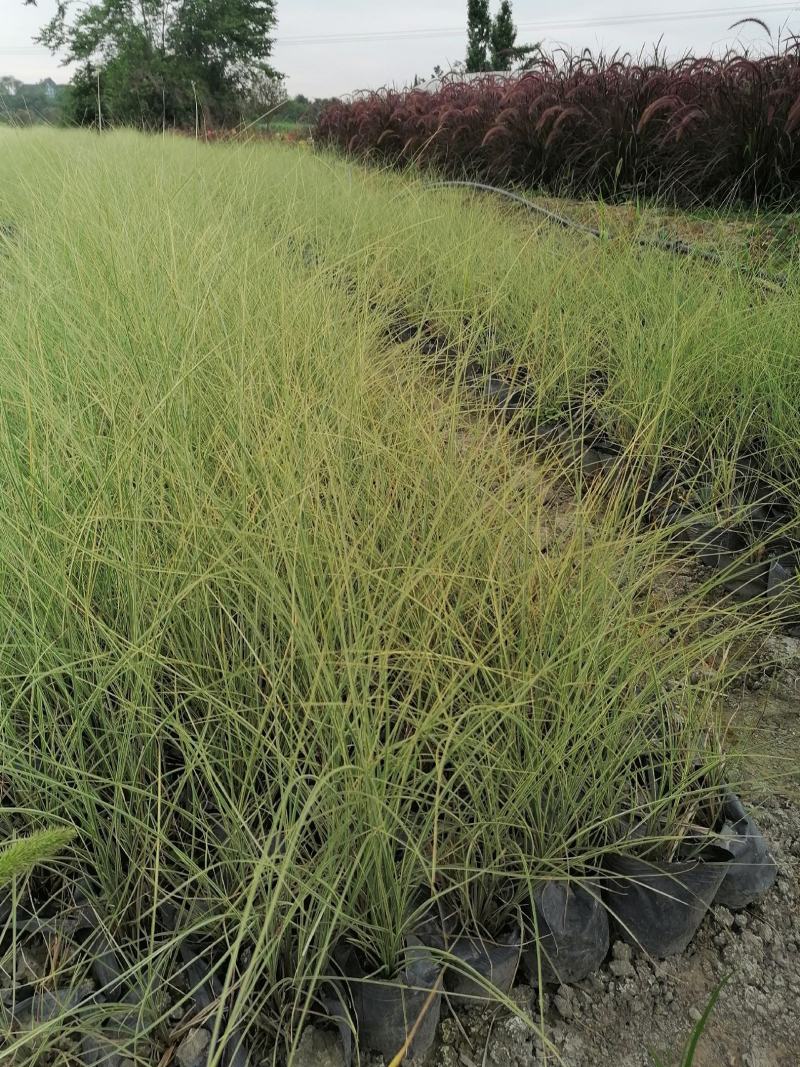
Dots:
pixel 295 635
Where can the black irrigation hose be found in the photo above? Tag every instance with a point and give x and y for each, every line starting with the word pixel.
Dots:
pixel 676 247
pixel 551 216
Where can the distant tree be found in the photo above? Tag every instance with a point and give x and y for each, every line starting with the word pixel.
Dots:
pixel 297 111
pixel 161 62
pixel 479 35
pixel 23 104
pixel 82 99
pixel 503 38
pixel 9 86
pixel 453 70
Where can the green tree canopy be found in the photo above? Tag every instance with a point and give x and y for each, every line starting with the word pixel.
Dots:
pixel 158 62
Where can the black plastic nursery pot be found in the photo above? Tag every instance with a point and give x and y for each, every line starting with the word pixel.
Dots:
pixel 714 545
pixel 742 575
pixel 570 936
pixel 509 400
pixel 495 962
pixel 391 1013
pixel 550 432
pixel 695 528
pixel 44 1006
pixel 752 870
pixel 775 575
pixel 659 906
pixel 597 461
pixel 746 581
pixel 783 586
pixel 726 550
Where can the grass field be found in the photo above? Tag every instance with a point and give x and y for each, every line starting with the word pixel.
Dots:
pixel 293 635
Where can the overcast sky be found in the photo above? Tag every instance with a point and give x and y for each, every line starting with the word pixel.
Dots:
pixel 329 47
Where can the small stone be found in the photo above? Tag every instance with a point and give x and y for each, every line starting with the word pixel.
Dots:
pixel 695 1015
pixel 730 953
pixel 557 1033
pixel 448 1032
pixel 574 1046
pixel 516 1027
pixel 723 917
pixel 192 1050
pixel 563 1006
pixel 319 1048
pixel 622 951
pixel 622 968
pixel 752 945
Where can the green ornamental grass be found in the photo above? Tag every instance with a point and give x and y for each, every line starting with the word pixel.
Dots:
pixel 295 637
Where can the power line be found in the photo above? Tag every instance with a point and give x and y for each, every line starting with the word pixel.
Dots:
pixel 457 31
pixel 585 23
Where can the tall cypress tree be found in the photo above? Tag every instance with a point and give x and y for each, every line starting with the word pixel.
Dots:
pixel 479 35
pixel 503 38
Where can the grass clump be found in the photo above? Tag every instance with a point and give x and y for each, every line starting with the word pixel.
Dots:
pixel 297 643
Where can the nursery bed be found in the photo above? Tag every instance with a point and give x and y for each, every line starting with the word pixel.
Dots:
pixel 323 673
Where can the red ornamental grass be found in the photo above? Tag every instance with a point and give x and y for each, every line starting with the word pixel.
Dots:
pixel 700 129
